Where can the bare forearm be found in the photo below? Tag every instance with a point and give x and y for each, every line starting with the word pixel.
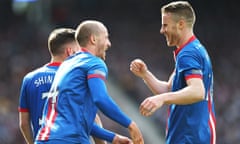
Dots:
pixel 155 85
pixel 187 95
pixel 135 133
pixel 27 134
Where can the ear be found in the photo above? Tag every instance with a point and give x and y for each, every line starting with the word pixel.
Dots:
pixel 68 51
pixel 93 39
pixel 181 24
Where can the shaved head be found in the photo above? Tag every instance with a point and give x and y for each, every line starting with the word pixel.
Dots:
pixel 86 29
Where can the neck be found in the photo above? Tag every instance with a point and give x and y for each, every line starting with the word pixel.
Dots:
pixel 185 37
pixel 89 49
pixel 57 59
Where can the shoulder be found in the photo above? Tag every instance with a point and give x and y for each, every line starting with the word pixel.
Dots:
pixel 99 61
pixel 44 70
pixel 94 61
pixel 32 73
pixel 192 49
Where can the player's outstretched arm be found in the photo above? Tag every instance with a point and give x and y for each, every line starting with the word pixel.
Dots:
pixel 139 68
pixel 135 133
pixel 98 122
pixel 104 134
pixel 109 107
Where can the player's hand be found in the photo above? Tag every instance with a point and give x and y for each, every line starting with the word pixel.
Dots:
pixel 135 133
pixel 150 105
pixel 119 139
pixel 138 67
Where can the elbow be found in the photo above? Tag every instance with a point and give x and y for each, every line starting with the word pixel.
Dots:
pixel 23 125
pixel 200 93
pixel 198 90
pixel 97 102
pixel 197 94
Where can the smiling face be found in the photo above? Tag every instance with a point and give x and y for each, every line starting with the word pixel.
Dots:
pixel 93 35
pixel 170 29
pixel 102 43
pixel 178 19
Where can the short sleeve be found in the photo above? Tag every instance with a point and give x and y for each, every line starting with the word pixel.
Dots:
pixel 23 107
pixel 190 66
pixel 98 70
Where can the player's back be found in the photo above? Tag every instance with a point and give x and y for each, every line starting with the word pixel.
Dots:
pixel 35 88
pixel 71 105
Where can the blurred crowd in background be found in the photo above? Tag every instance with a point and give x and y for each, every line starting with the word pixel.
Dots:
pixel 134 33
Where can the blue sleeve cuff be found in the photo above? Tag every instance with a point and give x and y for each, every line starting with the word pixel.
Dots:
pixel 102 133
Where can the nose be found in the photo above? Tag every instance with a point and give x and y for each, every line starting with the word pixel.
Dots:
pixel 161 30
pixel 109 44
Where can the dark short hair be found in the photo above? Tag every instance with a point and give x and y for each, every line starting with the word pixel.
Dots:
pixel 180 9
pixel 58 38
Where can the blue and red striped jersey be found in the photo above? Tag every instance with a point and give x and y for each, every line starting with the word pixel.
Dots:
pixel 192 123
pixel 34 91
pixel 76 94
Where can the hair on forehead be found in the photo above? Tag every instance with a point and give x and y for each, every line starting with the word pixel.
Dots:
pixel 180 9
pixel 176 5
